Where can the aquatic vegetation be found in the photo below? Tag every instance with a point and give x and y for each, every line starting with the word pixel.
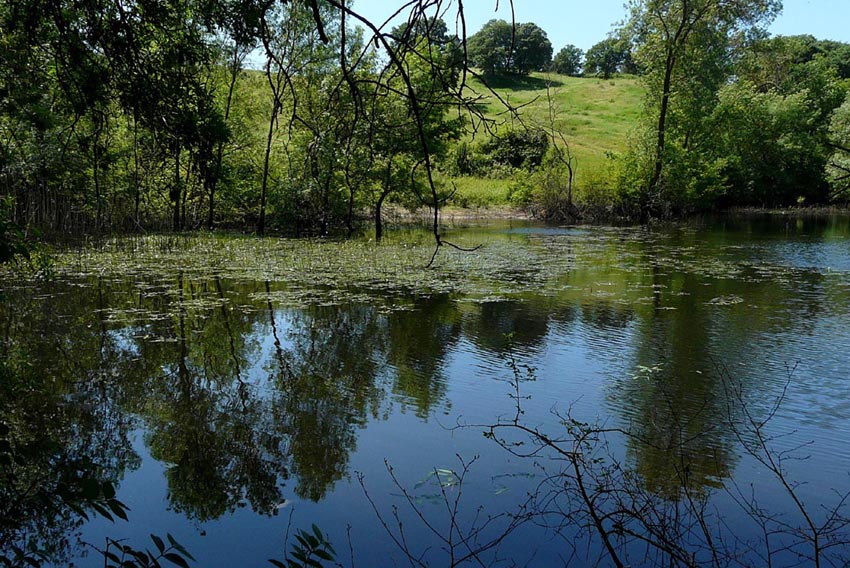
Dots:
pixel 259 374
pixel 327 272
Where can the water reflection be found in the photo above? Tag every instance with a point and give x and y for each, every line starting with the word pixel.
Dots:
pixel 248 403
pixel 64 443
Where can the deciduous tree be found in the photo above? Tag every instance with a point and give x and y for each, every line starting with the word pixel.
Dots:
pixel 838 169
pixel 500 47
pixel 491 47
pixel 606 57
pixel 568 61
pixel 532 50
pixel 684 47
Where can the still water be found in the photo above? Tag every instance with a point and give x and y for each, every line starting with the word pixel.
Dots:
pixel 233 390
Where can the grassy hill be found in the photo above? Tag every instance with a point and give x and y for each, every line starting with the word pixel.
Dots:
pixel 595 116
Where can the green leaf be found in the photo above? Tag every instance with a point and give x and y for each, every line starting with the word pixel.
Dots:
pixel 79 510
pixel 108 489
pixel 102 510
pixel 277 563
pixel 179 547
pixel 90 488
pixel 176 559
pixel 158 542
pixel 118 508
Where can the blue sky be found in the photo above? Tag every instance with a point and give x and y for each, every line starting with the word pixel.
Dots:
pixel 585 22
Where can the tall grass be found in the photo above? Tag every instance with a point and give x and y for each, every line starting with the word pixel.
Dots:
pixel 594 115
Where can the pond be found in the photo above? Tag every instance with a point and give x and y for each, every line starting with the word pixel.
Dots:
pixel 233 390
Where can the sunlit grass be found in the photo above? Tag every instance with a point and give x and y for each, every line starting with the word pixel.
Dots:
pixel 481 192
pixel 594 115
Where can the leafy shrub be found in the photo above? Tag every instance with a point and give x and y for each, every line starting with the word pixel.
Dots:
pixel 524 148
pixel 463 159
pixel 521 191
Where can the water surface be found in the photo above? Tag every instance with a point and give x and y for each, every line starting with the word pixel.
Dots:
pixel 233 388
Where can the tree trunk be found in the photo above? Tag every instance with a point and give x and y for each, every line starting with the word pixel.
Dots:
pixel 136 177
pixel 349 218
pixel 175 191
pixel 185 196
pixel 646 205
pixel 96 173
pixel 234 73
pixel 379 227
pixel 261 223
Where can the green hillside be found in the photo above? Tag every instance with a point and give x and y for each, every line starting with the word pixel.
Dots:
pixel 595 116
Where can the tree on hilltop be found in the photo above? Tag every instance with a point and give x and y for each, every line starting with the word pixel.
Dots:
pixel 607 57
pixel 499 47
pixel 568 61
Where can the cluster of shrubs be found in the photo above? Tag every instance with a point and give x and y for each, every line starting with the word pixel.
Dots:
pixel 501 154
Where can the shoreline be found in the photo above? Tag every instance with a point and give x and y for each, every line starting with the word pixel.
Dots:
pixel 459 214
pixel 804 211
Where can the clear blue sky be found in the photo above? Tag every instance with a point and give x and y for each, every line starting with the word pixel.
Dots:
pixel 585 22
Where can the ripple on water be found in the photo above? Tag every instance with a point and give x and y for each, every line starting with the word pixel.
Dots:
pixel 632 327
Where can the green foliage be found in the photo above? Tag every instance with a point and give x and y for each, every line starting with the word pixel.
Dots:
pixel 499 47
pixel 779 62
pixel 12 242
pixel 138 117
pixel 607 57
pixel 532 49
pixel 47 495
pixel 462 159
pixel 517 148
pixel 119 555
pixel 686 49
pixel 490 47
pixel 310 549
pixel 772 145
pixel 568 61
pixel 16 556
pixel 434 33
pixel 838 167
pixel 521 189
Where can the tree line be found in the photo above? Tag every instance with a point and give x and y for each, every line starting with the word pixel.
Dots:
pixel 513 47
pixel 142 115
pixel 146 115
pixel 732 116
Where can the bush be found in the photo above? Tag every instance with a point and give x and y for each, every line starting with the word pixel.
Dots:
pixel 524 148
pixel 463 159
pixel 521 191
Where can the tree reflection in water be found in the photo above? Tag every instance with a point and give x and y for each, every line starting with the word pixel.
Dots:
pixel 247 402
